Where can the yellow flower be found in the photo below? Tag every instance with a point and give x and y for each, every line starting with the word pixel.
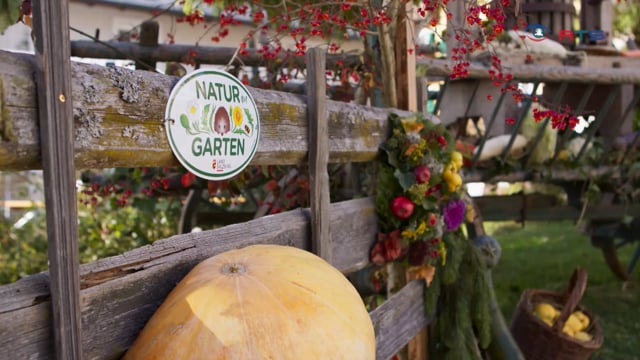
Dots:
pixel 443 253
pixel 410 234
pixel 410 125
pixel 422 228
pixel 237 116
pixel 470 214
pixel 457 159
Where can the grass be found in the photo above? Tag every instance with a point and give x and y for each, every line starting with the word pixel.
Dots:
pixel 543 255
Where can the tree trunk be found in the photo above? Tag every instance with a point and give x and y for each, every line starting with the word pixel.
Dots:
pixel 387 52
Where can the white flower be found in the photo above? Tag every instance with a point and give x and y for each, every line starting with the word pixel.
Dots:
pixel 583 124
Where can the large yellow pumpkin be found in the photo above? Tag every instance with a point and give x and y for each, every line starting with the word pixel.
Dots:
pixel 260 302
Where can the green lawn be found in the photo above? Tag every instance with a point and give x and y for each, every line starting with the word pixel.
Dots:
pixel 543 255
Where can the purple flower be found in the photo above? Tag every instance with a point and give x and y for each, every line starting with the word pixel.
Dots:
pixel 454 214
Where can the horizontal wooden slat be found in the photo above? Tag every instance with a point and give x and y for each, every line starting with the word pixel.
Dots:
pixel 543 73
pixel 118 117
pixel 399 319
pixel 604 173
pixel 120 293
pixel 537 207
pixel 220 55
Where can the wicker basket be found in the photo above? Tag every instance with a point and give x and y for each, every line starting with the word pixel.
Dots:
pixel 538 341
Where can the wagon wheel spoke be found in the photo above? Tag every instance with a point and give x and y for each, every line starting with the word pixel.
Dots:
pixel 188 211
pixel 610 253
pixel 634 259
pixel 623 242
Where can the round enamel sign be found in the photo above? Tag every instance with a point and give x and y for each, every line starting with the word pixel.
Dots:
pixel 214 124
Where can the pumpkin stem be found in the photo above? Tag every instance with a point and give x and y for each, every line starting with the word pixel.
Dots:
pixel 233 269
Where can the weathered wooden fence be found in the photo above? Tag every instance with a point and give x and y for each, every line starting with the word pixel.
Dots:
pixel 118 116
pixel 118 122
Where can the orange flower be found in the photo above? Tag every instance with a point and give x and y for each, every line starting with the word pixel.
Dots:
pixel 410 149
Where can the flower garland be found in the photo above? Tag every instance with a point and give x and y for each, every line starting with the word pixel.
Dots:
pixel 418 195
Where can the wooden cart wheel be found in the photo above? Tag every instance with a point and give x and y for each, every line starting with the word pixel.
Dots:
pixel 188 212
pixel 609 247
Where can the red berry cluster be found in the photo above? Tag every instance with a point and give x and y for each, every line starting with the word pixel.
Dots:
pixel 94 192
pixel 559 119
pixel 421 249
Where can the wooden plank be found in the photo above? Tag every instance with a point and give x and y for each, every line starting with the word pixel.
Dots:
pixel 120 293
pixel 149 31
pixel 399 319
pixel 118 116
pixel 405 59
pixel 51 26
pixel 538 207
pixel 215 55
pixel 544 73
pixel 318 154
pixel 605 173
pixel 418 346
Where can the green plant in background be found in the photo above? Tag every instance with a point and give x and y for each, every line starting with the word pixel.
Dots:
pixel 627 19
pixel 110 229
pixel 23 246
pixel 104 230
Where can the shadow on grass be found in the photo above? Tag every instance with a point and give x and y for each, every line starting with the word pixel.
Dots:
pixel 543 255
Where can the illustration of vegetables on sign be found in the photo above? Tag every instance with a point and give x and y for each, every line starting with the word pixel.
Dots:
pixel 214 124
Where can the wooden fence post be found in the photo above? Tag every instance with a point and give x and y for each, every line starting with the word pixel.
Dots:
pixel 149 31
pixel 318 153
pixel 406 59
pixel 55 112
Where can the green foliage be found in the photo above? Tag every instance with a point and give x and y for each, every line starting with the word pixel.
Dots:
pixel 109 229
pixel 103 230
pixel 627 18
pixel 458 294
pixel 455 256
pixel 10 13
pixel 386 188
pixel 463 325
pixel 23 249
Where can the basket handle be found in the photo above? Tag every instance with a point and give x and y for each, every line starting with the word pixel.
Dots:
pixel 572 296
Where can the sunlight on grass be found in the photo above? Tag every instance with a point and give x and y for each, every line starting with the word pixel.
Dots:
pixel 543 256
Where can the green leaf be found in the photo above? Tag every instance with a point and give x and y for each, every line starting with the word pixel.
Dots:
pixel 392 159
pixel 249 118
pixel 404 179
pixel 203 122
pixel 387 188
pixel 187 7
pixel 184 121
pixel 9 13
